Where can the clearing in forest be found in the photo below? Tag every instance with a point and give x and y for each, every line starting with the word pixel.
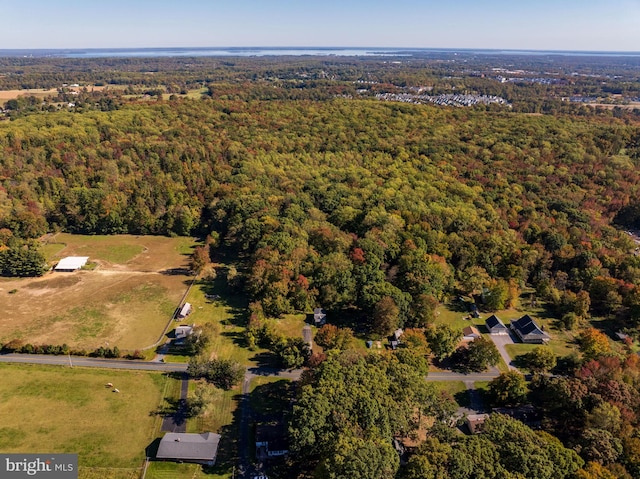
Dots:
pixel 125 301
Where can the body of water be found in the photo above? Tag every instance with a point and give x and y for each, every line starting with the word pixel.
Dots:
pixel 284 51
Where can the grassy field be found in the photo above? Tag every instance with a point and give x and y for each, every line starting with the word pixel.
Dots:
pixel 456 389
pixel 125 301
pixel 66 410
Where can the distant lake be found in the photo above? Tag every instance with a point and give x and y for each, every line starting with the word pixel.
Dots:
pixel 285 51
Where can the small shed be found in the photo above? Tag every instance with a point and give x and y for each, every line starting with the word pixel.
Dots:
pixel 185 311
pixel 187 447
pixel 71 263
pixel 496 326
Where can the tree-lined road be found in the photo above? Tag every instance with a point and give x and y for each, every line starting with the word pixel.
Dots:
pixel 182 367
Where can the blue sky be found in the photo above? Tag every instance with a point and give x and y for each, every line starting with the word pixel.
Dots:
pixel 601 25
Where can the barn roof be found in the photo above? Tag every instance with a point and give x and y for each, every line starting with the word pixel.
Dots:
pixel 186 446
pixel 72 262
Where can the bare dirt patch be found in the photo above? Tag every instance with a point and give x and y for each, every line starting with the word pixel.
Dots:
pixel 124 302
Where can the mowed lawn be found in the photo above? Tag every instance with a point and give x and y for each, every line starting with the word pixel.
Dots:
pixel 65 410
pixel 125 301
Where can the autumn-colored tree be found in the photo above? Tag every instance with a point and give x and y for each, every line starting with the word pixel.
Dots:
pixel 540 360
pixel 332 337
pixel 593 343
pixel 385 316
pixel 508 389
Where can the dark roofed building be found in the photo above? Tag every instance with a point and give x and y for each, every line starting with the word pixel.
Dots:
pixel 199 448
pixel 496 326
pixel 319 317
pixel 528 331
pixel 271 441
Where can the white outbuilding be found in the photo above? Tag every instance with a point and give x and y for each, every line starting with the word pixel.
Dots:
pixel 71 263
pixel 185 311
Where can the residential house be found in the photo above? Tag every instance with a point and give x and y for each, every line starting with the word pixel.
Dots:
pixel 187 447
pixel 319 317
pixel 528 331
pixel 496 326
pixel 184 331
pixel 470 333
pixel 271 441
pixel 475 422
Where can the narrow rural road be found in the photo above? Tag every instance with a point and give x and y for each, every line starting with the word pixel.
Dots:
pixel 74 361
pixel 293 374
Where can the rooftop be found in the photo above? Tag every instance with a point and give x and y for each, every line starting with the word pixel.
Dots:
pixel 72 262
pixel 186 446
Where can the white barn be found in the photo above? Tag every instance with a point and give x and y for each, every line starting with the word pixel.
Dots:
pixel 71 263
pixel 184 311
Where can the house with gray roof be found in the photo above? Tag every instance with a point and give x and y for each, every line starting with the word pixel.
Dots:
pixel 187 447
pixel 528 331
pixel 496 326
pixel 319 317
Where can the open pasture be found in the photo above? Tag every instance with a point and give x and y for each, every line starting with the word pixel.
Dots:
pixel 125 301
pixel 71 410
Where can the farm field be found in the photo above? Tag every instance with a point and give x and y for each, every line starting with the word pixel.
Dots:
pixel 42 93
pixel 125 301
pixel 55 409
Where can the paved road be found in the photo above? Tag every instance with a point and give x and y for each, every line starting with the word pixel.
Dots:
pixel 471 377
pixel 92 362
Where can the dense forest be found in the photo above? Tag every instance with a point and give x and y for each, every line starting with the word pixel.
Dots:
pixel 343 202
pixel 327 196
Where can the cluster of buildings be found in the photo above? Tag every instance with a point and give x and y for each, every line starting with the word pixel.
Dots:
pixel 449 99
pixel 525 328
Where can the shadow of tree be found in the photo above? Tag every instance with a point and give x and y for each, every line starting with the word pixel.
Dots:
pixel 271 399
pixel 266 360
pixel 462 398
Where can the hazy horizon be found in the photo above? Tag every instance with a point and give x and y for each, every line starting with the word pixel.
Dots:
pixel 570 25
